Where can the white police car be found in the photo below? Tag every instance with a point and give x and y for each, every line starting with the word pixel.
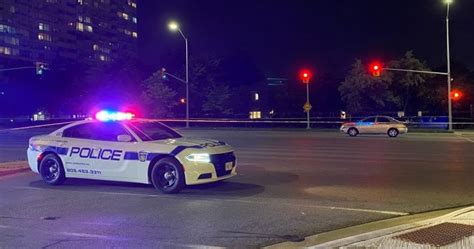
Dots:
pixel 118 148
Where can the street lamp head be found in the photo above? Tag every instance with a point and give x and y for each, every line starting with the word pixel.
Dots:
pixel 173 26
pixel 448 1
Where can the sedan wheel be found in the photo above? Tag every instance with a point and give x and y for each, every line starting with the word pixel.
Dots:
pixel 392 132
pixel 353 132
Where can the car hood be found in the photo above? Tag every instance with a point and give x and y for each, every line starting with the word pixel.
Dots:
pixel 193 142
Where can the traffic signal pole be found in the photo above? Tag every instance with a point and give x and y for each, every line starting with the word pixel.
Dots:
pixel 307 113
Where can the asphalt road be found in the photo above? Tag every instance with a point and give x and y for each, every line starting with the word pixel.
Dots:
pixel 290 185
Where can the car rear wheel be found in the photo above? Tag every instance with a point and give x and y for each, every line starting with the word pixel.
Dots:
pixel 167 176
pixel 392 132
pixel 51 170
pixel 352 132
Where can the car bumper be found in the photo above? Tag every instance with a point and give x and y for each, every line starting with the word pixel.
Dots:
pixel 221 167
pixel 33 159
pixel 403 130
pixel 344 129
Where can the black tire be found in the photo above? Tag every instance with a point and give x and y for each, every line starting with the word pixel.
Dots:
pixel 353 132
pixel 392 132
pixel 51 170
pixel 167 176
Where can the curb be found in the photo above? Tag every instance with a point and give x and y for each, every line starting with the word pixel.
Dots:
pixel 349 235
pixel 389 231
pixel 10 168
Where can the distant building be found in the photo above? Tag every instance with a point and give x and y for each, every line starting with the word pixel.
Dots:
pixel 93 32
pixel 277 81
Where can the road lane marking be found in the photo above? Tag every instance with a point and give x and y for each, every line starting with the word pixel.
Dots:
pixel 86 235
pixel 468 139
pixel 387 212
pixel 107 237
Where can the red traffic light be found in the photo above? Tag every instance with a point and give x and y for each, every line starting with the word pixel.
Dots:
pixel 305 76
pixel 456 95
pixel 375 69
pixel 182 100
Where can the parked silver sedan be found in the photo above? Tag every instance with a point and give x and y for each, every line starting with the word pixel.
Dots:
pixel 375 125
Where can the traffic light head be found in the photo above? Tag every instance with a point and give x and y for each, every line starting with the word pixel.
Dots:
pixel 456 95
pixel 182 100
pixel 163 73
pixel 305 76
pixel 375 69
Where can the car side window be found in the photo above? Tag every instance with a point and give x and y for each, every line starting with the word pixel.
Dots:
pixel 83 131
pixel 368 120
pixel 383 120
pixel 106 131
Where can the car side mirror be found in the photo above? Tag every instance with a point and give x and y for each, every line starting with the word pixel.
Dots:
pixel 124 138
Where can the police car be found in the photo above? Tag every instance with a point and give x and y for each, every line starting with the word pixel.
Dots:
pixel 117 147
pixel 375 125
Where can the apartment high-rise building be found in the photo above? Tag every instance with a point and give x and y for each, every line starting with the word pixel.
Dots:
pixel 58 32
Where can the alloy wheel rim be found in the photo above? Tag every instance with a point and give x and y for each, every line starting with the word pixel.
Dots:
pixel 51 170
pixel 167 176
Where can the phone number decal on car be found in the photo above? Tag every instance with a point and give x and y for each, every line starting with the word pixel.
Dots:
pixel 85 171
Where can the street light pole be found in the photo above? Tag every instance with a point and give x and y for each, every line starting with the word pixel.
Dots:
pixel 174 26
pixel 187 79
pixel 450 111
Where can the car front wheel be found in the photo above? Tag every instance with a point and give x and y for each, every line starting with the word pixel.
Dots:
pixel 167 176
pixel 352 132
pixel 51 170
pixel 392 132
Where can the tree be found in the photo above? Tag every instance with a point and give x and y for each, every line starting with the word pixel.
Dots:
pixel 159 99
pixel 217 100
pixel 364 93
pixel 410 90
pixel 210 91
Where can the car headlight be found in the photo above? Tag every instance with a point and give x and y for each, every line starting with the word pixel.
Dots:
pixel 202 158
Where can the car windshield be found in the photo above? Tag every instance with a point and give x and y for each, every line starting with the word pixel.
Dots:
pixel 151 131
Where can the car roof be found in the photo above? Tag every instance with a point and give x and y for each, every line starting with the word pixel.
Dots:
pixel 90 120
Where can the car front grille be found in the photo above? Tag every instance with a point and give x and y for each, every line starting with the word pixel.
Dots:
pixel 219 161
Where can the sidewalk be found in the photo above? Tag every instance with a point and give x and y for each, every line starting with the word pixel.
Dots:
pixel 438 229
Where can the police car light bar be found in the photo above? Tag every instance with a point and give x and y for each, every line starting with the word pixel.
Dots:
pixel 113 116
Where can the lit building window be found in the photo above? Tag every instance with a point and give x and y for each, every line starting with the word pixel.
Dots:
pixel 104 58
pixel 132 3
pixel 81 2
pixel 87 19
pixel 79 26
pixel 44 37
pixel 43 26
pixel 256 97
pixel 134 19
pixel 95 47
pixel 5 50
pixel 123 15
pixel 89 28
pixel 127 32
pixel 135 34
pixel 255 115
pixel 6 29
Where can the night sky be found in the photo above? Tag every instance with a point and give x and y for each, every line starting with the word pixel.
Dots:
pixel 282 36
